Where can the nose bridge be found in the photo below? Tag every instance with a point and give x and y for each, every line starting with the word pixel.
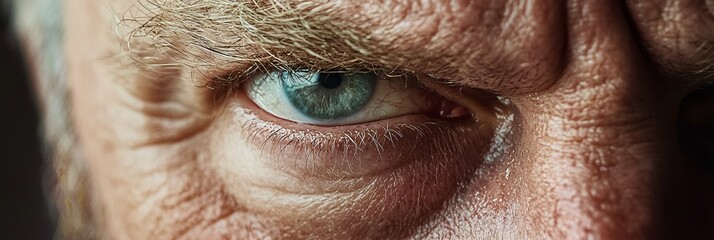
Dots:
pixel 596 138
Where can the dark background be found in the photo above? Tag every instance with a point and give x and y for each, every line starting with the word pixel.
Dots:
pixel 23 210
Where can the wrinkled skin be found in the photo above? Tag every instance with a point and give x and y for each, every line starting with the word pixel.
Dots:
pixel 591 151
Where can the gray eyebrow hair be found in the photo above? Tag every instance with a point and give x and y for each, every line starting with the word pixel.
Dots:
pixel 262 34
pixel 259 35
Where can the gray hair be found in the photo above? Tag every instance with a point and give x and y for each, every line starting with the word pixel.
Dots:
pixel 38 25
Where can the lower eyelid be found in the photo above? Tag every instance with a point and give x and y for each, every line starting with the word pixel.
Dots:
pixel 355 151
pixel 319 159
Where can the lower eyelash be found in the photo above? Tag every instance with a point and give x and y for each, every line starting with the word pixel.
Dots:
pixel 348 141
pixel 344 153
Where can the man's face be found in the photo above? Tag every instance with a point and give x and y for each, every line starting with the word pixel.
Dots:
pixel 372 119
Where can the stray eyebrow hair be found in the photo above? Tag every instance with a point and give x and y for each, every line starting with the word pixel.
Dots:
pixel 259 34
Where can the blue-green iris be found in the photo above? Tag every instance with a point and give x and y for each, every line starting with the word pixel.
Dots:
pixel 328 96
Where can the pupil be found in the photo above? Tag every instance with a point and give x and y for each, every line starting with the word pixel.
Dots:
pixel 328 95
pixel 330 80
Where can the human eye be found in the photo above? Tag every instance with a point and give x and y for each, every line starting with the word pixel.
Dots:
pixel 334 98
pixel 334 144
pixel 339 124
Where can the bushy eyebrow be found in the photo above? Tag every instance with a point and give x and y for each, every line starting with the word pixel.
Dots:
pixel 260 34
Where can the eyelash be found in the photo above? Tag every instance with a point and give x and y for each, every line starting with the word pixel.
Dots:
pixel 355 151
pixel 344 147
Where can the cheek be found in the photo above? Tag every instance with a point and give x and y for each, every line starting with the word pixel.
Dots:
pixel 167 193
pixel 150 190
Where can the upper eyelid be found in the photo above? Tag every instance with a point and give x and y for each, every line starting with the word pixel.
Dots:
pixel 380 71
pixel 357 67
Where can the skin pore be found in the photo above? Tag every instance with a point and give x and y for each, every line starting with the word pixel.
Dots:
pixel 570 131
